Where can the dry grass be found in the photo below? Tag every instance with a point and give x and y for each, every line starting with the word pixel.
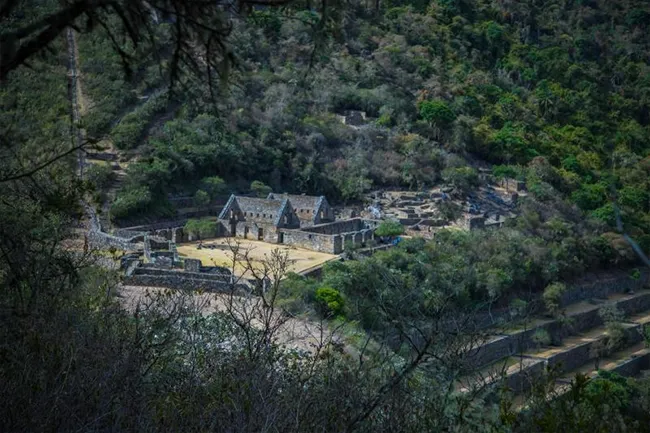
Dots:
pixel 300 259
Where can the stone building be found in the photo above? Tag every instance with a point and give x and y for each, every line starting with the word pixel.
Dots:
pixel 257 218
pixel 299 220
pixel 310 210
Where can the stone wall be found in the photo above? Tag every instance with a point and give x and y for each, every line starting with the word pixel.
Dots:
pixel 506 345
pixel 127 233
pixel 599 285
pixel 619 282
pixel 474 223
pixel 183 280
pixel 634 365
pixel 224 276
pixel 572 358
pixel 192 265
pixel 523 378
pixel 491 351
pixel 250 230
pixel 338 227
pixel 324 243
pixel 103 241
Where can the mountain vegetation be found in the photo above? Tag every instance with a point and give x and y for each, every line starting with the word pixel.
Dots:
pixel 554 93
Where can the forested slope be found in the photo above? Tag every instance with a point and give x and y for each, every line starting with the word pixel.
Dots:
pixel 554 93
pixel 503 82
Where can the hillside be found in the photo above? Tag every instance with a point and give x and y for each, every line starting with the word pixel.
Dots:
pixel 555 96
pixel 433 105
pixel 442 86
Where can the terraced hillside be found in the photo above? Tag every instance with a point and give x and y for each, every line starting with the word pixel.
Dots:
pixel 606 333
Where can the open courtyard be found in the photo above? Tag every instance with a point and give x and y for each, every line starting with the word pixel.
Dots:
pixel 218 252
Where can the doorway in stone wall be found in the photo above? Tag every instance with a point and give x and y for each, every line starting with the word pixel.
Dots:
pixel 245 232
pixel 281 238
pixel 260 234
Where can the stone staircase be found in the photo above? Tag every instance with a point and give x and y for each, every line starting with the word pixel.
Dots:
pixel 514 356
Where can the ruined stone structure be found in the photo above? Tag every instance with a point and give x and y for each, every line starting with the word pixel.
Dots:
pixel 303 221
pixel 257 218
pixel 309 209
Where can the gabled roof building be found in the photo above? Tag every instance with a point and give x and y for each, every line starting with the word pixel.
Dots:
pixel 300 220
pixel 309 209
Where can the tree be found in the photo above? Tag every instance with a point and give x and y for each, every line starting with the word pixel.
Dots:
pixel 201 198
pixel 214 186
pixel 260 189
pixel 552 297
pixel 389 228
pixel 201 229
pixel 329 301
pixel 197 26
pixel 131 201
pixel 462 179
pixel 437 113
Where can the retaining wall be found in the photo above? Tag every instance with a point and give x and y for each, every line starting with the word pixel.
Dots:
pixel 521 341
pixel 222 277
pixel 332 244
pixel 523 378
pixel 634 365
pixel 183 282
pixel 599 285
pixel 100 240
pixel 619 282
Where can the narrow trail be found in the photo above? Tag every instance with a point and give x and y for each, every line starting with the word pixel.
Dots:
pixel 83 158
pixel 74 101
pixel 93 224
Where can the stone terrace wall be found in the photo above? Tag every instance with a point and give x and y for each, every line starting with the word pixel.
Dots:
pixel 181 280
pixel 619 282
pixel 338 227
pixel 324 243
pixel 634 365
pixel 102 241
pixel 597 285
pixel 223 277
pixel 507 345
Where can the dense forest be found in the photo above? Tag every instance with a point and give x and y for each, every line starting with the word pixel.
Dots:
pixel 554 93
pixel 444 84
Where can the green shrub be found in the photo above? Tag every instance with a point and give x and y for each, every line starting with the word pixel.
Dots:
pixel 260 189
pixel 99 176
pixel 131 201
pixel 541 338
pixel 201 198
pixel 610 314
pixel 462 179
pixel 389 228
pixel 590 197
pixel 330 302
pixel 202 229
pixel 518 308
pixel 437 112
pixel 214 186
pixel 552 297
pixel 132 127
